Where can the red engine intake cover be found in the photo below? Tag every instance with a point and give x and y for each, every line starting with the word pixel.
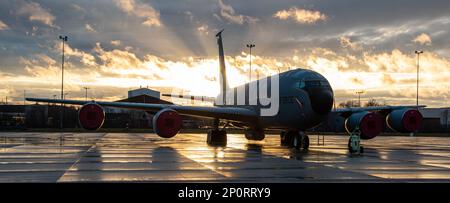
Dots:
pixel 371 125
pixel 91 116
pixel 412 119
pixel 167 123
pixel 404 120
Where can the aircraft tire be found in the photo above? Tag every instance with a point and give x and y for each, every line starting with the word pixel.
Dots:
pixel 350 150
pixel 283 139
pixel 255 135
pixel 305 142
pixel 297 141
pixel 287 138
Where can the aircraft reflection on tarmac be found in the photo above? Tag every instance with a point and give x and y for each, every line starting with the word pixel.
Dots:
pixel 43 157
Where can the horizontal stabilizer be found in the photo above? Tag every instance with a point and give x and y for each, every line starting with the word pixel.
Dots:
pixel 191 97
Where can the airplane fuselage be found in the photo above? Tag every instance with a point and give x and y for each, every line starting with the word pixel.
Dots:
pixel 305 98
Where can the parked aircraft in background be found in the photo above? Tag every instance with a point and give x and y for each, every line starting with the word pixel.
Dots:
pixel 305 101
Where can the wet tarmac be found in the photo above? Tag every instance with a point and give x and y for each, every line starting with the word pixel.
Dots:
pixel 134 157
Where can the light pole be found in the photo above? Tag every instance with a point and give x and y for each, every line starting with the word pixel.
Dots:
pixel 359 97
pixel 64 109
pixel 63 39
pixel 54 97
pixel 86 88
pixel 417 88
pixel 250 46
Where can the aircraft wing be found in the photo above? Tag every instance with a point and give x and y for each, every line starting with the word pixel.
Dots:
pixel 227 113
pixel 372 108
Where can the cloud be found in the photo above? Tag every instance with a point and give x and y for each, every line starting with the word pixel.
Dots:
pixel 422 39
pixel 326 61
pixel 3 26
pixel 189 15
pixel 203 28
pixel 116 42
pixel 356 81
pixel 398 62
pixel 35 12
pixel 89 28
pixel 346 43
pixel 121 68
pixel 46 59
pixel 227 12
pixel 358 43
pixel 85 58
pixel 77 8
pixel 301 16
pixel 141 10
pixel 387 79
pixel 117 61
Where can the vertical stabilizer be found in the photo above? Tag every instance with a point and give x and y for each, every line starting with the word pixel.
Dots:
pixel 223 72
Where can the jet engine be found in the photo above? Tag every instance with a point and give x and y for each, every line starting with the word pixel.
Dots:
pixel 404 120
pixel 370 124
pixel 91 116
pixel 167 123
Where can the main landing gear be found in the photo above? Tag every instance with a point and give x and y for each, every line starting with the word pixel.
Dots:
pixel 295 139
pixel 216 137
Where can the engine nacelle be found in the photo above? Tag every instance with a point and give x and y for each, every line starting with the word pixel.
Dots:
pixel 167 123
pixel 91 116
pixel 370 124
pixel 404 120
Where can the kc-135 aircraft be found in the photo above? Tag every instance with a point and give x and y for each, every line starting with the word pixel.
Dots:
pixel 305 100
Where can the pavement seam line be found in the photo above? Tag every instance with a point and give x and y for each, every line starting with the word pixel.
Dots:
pixel 81 155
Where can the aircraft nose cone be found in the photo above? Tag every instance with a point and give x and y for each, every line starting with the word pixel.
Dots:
pixel 321 100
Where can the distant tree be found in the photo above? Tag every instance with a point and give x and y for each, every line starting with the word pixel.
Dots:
pixel 347 104
pixel 351 103
pixel 372 102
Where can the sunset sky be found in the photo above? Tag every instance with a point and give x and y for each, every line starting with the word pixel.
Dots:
pixel 117 45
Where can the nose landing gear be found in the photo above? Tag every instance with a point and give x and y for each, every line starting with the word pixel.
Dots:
pixel 295 139
pixel 354 145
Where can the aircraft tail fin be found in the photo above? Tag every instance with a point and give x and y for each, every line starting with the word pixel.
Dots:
pixel 223 72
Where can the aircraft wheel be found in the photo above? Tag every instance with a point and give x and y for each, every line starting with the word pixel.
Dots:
pixel 257 135
pixel 305 142
pixel 283 141
pixel 216 138
pixel 297 141
pixel 287 138
pixel 351 150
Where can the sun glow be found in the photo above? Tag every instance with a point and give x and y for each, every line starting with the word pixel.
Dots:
pixel 110 73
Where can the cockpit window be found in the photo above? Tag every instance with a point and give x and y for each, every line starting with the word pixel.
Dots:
pixel 312 83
